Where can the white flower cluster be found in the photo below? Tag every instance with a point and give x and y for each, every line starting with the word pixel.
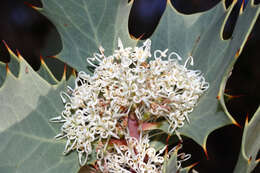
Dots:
pixel 139 157
pixel 130 80
pixel 163 88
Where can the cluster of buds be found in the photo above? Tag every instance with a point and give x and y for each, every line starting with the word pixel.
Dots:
pixel 131 81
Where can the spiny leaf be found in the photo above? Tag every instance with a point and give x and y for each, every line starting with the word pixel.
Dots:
pixel 85 25
pixel 44 71
pixel 27 144
pixel 250 145
pixel 57 67
pixel 13 65
pixel 199 35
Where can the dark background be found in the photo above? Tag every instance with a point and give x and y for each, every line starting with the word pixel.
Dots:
pixel 33 35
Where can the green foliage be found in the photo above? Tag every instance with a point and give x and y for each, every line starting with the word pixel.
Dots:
pixel 13 66
pixel 171 164
pixel 27 144
pixel 85 25
pixel 250 145
pixel 212 55
pixel 28 101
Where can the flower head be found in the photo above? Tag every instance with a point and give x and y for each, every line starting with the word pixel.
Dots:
pixel 129 81
pixel 162 88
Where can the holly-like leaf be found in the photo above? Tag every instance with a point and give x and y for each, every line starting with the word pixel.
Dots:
pixel 85 25
pixel 26 135
pixel 250 145
pixel 199 35
pixel 53 77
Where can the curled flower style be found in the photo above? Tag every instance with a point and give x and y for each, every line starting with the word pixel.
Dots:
pixel 137 156
pixel 129 81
